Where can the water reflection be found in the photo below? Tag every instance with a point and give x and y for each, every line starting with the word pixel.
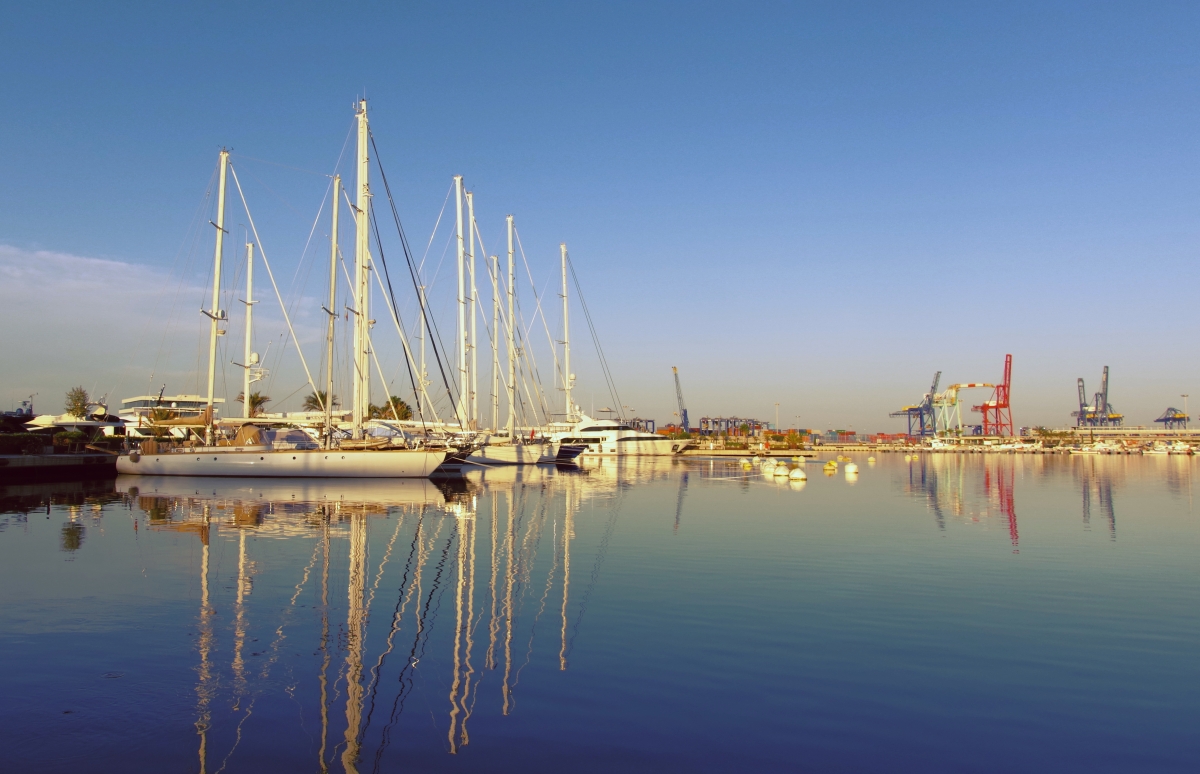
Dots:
pixel 523 520
pixel 966 488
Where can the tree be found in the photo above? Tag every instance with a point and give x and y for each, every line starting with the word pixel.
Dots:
pixel 316 401
pixel 257 402
pixel 77 402
pixel 385 411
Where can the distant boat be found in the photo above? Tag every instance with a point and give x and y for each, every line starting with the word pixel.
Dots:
pixel 608 437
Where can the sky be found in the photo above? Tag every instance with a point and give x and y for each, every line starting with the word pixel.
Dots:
pixel 816 205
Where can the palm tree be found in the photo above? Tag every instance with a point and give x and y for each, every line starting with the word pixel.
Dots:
pixel 257 402
pixel 385 411
pixel 316 401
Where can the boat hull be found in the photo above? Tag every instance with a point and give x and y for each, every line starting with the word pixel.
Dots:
pixel 512 454
pixel 294 463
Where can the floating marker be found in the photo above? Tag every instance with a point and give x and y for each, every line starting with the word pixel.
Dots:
pixel 798 475
pixel 851 469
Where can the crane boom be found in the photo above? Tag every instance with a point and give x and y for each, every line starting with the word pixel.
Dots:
pixel 683 417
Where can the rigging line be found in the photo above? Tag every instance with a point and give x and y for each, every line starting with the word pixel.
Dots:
pixel 402 693
pixel 600 555
pixel 539 310
pixel 612 386
pixel 192 235
pixel 430 324
pixel 271 274
pixel 449 191
pixel 537 373
pixel 308 242
pixel 410 362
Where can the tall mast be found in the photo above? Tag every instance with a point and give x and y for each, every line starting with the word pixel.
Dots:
pixel 568 377
pixel 462 310
pixel 214 313
pixel 495 343
pixel 474 417
pixel 248 356
pixel 512 351
pixel 362 290
pixel 424 381
pixel 331 311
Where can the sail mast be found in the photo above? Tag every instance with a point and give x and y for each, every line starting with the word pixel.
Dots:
pixel 214 313
pixel 331 311
pixel 362 290
pixel 248 356
pixel 512 352
pixel 495 343
pixel 568 377
pixel 462 310
pixel 474 416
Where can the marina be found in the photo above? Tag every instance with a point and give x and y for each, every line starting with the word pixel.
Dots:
pixel 626 387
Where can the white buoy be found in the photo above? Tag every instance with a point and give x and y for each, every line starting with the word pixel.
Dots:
pixel 781 470
pixel 851 469
pixel 798 475
pixel 871 460
pixel 744 460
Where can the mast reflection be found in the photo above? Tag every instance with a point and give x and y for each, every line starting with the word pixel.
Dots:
pixel 363 670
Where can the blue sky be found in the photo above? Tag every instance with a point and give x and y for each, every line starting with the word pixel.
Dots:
pixel 811 204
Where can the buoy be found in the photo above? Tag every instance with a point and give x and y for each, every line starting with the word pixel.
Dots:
pixel 781 470
pixel 798 475
pixel 744 460
pixel 906 458
pixel 870 459
pixel 851 469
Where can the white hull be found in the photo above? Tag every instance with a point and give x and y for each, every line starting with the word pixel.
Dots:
pixel 293 463
pixel 510 454
pixel 631 448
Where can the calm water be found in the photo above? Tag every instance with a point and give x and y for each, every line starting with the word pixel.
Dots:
pixel 953 614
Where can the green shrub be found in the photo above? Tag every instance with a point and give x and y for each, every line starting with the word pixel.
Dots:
pixel 23 443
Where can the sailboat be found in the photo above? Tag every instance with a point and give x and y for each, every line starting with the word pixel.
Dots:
pixel 507 447
pixel 260 450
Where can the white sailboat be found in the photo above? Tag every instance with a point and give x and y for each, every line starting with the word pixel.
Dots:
pixel 256 451
pixel 508 447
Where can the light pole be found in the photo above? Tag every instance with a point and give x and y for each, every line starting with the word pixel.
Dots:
pixel 777 417
pixel 1185 411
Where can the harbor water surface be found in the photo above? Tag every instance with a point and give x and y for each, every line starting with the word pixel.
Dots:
pixel 948 613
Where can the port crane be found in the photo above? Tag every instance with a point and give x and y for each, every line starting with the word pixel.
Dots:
pixel 997 414
pixel 949 407
pixel 683 417
pixel 1173 419
pixel 921 417
pixel 1100 413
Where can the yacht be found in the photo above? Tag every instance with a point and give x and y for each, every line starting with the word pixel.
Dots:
pixel 608 437
pixel 254 446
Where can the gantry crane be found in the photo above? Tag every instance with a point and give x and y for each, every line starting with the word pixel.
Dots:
pixel 683 417
pixel 1100 413
pixel 997 415
pixel 1173 419
pixel 948 407
pixel 920 417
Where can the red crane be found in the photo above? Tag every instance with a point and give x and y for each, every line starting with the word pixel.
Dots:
pixel 997 416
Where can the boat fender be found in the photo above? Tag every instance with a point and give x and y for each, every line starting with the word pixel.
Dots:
pixel 134 457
